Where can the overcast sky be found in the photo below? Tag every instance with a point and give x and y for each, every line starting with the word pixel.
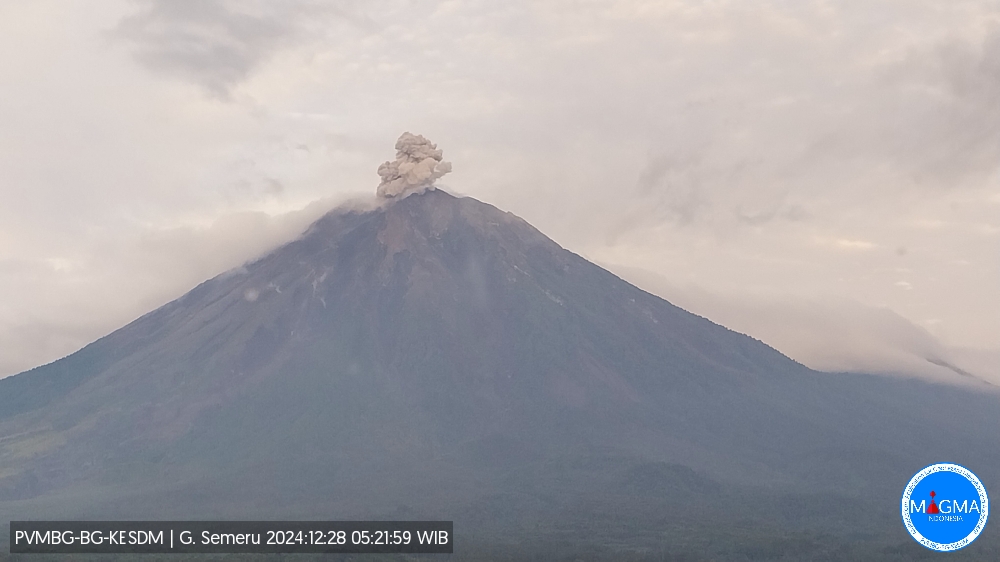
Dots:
pixel 822 175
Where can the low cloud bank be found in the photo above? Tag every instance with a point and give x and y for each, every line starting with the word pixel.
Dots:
pixel 145 269
pixel 829 334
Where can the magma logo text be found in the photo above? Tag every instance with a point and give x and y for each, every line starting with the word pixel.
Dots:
pixel 945 507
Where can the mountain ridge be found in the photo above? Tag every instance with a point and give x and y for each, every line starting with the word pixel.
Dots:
pixel 435 356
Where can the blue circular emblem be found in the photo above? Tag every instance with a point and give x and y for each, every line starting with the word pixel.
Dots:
pixel 945 507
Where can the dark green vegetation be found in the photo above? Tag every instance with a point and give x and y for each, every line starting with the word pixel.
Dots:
pixel 437 358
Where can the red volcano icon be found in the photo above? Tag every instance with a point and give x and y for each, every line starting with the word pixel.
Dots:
pixel 932 508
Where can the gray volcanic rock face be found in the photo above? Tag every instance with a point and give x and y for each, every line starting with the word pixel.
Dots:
pixel 439 357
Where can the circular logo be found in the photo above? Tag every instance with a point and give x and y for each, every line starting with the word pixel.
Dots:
pixel 945 507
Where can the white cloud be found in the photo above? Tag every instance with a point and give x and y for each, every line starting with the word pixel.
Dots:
pixel 848 244
pixel 831 334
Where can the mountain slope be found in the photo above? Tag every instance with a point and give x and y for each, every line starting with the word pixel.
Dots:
pixel 437 356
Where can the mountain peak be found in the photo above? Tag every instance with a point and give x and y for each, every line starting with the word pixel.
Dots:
pixel 434 343
pixel 417 220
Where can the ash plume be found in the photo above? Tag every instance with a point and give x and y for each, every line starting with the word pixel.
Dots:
pixel 417 165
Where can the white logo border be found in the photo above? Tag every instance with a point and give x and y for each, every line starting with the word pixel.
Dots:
pixel 984 506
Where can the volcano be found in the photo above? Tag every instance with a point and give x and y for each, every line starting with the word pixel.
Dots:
pixel 435 357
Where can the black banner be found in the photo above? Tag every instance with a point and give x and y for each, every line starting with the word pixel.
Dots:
pixel 231 537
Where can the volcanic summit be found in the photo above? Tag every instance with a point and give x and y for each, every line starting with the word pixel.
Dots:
pixel 434 356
